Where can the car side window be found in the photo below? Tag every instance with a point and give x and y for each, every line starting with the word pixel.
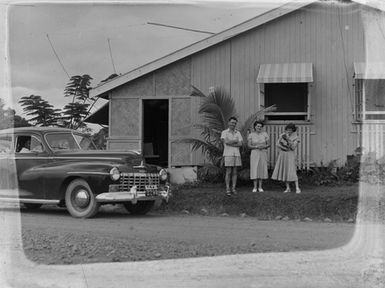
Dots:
pixel 5 144
pixel 28 144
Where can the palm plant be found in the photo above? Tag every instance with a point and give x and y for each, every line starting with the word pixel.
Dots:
pixel 215 110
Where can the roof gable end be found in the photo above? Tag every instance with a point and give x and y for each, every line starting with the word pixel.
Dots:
pixel 101 90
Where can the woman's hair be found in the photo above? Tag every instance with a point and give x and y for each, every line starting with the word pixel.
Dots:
pixel 258 122
pixel 233 118
pixel 291 126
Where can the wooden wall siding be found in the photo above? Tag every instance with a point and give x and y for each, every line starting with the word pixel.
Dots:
pixel 303 149
pixel 170 82
pixel 124 145
pixel 181 117
pixel 143 86
pixel 180 128
pixel 329 36
pixel 179 157
pixel 375 28
pixel 209 68
pixel 174 79
pixel 125 121
pixel 372 138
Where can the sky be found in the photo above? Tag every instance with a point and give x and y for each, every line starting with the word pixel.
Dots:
pixel 80 33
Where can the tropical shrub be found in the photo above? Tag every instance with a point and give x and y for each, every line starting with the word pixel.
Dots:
pixel 215 110
pixel 365 167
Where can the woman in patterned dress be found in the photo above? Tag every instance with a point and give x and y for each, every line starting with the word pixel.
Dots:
pixel 285 167
pixel 258 141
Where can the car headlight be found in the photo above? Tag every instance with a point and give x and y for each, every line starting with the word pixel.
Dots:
pixel 115 174
pixel 163 175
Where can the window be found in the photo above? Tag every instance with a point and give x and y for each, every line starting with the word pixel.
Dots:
pixel 286 85
pixel 370 99
pixel 28 144
pixel 69 141
pixel 84 142
pixel 291 100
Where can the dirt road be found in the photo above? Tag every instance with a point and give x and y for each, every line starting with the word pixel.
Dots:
pixel 51 236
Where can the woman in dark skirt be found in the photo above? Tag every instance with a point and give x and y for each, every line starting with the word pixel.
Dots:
pixel 285 167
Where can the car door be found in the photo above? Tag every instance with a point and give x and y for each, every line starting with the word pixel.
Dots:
pixel 8 181
pixel 30 157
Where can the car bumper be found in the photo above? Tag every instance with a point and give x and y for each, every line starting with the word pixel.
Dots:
pixel 133 196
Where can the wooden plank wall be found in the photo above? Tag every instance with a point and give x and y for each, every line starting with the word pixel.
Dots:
pixel 303 150
pixel 371 136
pixel 328 35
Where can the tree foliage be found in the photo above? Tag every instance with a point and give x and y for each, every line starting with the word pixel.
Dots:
pixel 39 111
pixel 6 116
pixel 73 114
pixel 79 88
pixel 215 110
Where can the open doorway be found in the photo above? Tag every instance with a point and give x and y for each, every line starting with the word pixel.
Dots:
pixel 155 132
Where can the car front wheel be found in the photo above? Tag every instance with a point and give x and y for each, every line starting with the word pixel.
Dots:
pixel 79 199
pixel 140 208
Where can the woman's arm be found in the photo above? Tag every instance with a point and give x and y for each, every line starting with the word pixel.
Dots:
pixel 237 142
pixel 267 145
pixel 249 143
pixel 279 144
pixel 293 144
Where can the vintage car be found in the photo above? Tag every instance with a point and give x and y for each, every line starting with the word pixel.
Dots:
pixel 63 167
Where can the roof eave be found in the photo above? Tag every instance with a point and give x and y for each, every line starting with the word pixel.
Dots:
pixel 101 90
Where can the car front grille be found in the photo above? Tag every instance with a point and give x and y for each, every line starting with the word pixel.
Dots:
pixel 140 180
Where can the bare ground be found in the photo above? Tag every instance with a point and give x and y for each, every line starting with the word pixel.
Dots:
pixel 51 236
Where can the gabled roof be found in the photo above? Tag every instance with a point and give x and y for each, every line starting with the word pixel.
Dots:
pixel 101 90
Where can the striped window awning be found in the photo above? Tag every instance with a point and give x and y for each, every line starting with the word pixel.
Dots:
pixel 285 73
pixel 369 70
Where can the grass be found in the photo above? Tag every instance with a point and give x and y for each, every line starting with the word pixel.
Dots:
pixel 339 202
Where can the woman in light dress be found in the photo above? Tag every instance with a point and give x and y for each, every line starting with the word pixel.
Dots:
pixel 258 141
pixel 285 167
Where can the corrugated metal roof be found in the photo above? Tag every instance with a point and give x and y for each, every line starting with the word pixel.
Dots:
pixel 101 90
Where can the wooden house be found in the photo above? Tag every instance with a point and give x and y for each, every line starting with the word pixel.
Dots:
pixel 321 63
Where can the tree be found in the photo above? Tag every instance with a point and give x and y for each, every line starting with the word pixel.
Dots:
pixel 6 117
pixel 9 119
pixel 19 121
pixel 79 89
pixel 215 110
pixel 73 114
pixel 42 113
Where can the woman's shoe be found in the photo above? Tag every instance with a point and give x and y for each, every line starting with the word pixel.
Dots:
pixel 298 191
pixel 234 191
pixel 260 190
pixel 254 190
pixel 287 191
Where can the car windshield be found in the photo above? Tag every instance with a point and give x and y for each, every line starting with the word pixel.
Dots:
pixel 69 141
